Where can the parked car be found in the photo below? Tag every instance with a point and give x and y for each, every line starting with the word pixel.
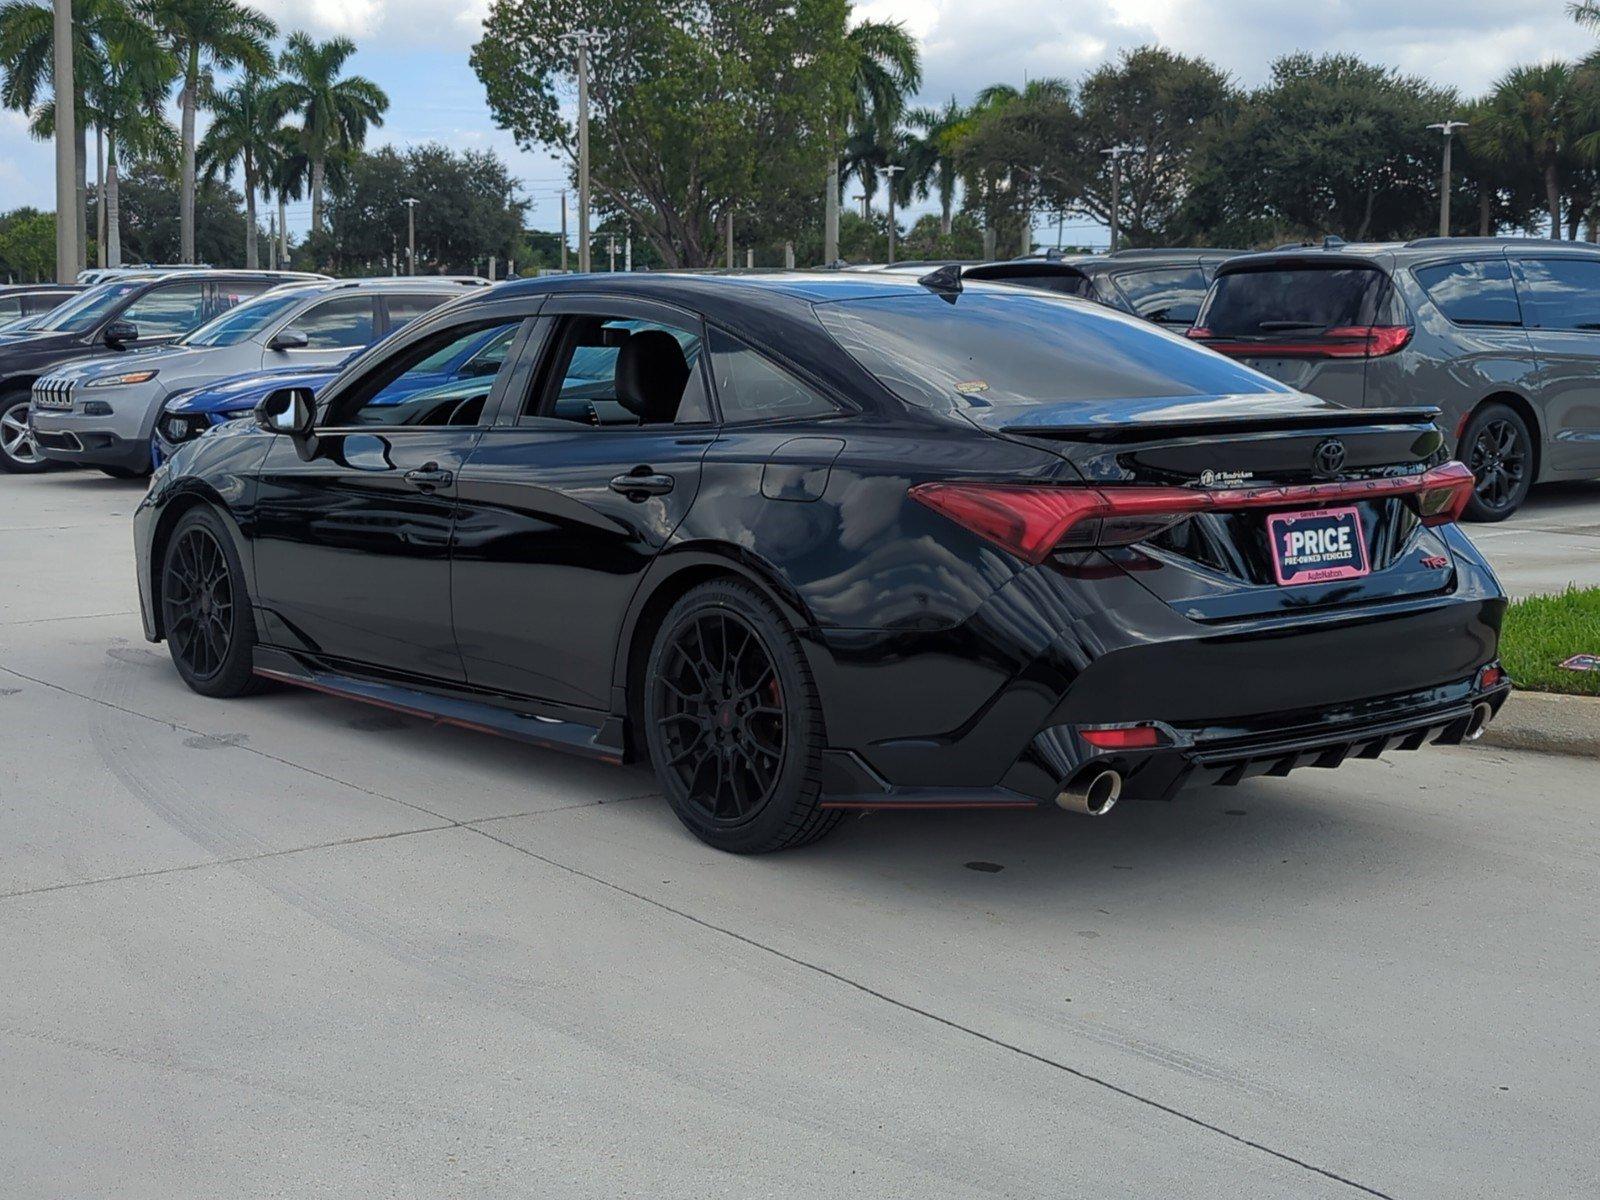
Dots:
pixel 1502 334
pixel 825 542
pixel 21 300
pixel 189 415
pixel 313 324
pixel 1164 286
pixel 110 320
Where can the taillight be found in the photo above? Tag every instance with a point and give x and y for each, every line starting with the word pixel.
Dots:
pixel 1033 521
pixel 1340 341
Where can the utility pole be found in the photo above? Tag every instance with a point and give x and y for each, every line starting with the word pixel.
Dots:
pixel 411 203
pixel 563 231
pixel 1115 153
pixel 583 40
pixel 830 212
pixel 272 241
pixel 627 251
pixel 888 174
pixel 611 249
pixel 730 239
pixel 66 148
pixel 1448 128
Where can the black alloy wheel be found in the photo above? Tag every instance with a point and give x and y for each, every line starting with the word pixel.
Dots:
pixel 733 724
pixel 205 611
pixel 1499 451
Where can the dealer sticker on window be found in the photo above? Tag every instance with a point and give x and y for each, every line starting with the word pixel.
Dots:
pixel 1317 545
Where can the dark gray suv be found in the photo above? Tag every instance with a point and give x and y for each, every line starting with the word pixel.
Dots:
pixel 1502 334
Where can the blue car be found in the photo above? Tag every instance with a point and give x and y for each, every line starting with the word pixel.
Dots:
pixel 189 415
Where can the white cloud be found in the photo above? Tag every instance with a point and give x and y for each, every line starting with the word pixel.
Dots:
pixel 438 24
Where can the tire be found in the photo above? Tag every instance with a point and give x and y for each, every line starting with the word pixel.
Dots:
pixel 19 454
pixel 733 723
pixel 1498 446
pixel 205 609
pixel 122 472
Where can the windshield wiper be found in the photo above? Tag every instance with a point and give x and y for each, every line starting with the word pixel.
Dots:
pixel 1276 326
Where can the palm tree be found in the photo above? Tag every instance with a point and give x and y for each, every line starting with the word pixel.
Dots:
pixel 886 70
pixel 1532 119
pixel 205 35
pixel 930 158
pixel 285 171
pixel 243 124
pixel 334 112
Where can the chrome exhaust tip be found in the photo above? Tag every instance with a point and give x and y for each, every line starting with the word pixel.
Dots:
pixel 1478 721
pixel 1093 792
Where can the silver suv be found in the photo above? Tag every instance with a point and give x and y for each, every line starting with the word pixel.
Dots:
pixel 87 410
pixel 1502 334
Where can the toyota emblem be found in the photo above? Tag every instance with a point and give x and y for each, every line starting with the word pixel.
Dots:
pixel 1328 457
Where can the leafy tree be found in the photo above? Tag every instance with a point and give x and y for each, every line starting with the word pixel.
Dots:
pixel 1329 145
pixel 1020 151
pixel 929 238
pixel 152 224
pixel 28 245
pixel 930 158
pixel 244 120
pixel 1156 102
pixel 335 111
pixel 205 35
pixel 885 71
pixel 1534 121
pixel 697 111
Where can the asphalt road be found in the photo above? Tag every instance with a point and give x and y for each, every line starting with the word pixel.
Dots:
pixel 293 946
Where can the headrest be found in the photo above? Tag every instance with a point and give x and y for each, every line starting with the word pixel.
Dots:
pixel 651 373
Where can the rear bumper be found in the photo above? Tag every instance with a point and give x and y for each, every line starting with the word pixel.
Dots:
pixel 1051 655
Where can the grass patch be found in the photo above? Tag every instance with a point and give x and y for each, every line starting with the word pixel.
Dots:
pixel 1541 631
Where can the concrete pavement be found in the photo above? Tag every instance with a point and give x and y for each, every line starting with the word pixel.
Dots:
pixel 1551 541
pixel 294 946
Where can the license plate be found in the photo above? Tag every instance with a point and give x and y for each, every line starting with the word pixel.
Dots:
pixel 1317 545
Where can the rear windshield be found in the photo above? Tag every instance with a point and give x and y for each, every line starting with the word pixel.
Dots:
pixel 1002 348
pixel 1291 300
pixel 1170 295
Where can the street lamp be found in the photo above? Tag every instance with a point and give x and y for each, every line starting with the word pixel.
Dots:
pixel 1448 129
pixel 1115 153
pixel 583 40
pixel 411 233
pixel 866 213
pixel 888 174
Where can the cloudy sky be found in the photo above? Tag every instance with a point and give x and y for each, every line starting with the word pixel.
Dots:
pixel 417 50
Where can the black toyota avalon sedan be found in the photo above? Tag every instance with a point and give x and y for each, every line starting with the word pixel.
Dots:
pixel 813 543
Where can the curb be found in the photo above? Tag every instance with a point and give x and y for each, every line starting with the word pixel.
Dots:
pixel 1548 722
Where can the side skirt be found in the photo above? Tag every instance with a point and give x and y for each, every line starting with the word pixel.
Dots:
pixel 440 707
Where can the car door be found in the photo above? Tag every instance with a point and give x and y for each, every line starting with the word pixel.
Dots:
pixel 352 548
pixel 590 468
pixel 332 328
pixel 1561 307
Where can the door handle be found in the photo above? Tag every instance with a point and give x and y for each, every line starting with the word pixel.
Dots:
pixel 641 482
pixel 429 476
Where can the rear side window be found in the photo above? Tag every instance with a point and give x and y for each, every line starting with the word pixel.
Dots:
pixel 1473 293
pixel 1562 293
pixel 750 388
pixel 1293 300
pixel 1000 348
pixel 338 324
pixel 1170 295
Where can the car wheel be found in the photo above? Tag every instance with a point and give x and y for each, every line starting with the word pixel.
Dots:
pixel 205 608
pixel 122 472
pixel 733 723
pixel 19 453
pixel 1499 448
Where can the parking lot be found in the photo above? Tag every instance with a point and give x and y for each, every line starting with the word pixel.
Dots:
pixel 293 946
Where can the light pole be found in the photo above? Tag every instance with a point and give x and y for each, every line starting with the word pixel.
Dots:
pixel 1115 153
pixel 866 213
pixel 1448 129
pixel 563 231
pixel 611 246
pixel 888 174
pixel 411 203
pixel 583 40
pixel 66 149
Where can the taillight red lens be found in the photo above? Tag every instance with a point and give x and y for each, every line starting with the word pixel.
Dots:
pixel 1128 737
pixel 1341 341
pixel 1034 520
pixel 1490 676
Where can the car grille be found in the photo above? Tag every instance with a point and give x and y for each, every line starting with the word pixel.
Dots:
pixel 52 393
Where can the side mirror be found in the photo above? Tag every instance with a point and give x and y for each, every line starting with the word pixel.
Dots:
pixel 289 339
pixel 121 333
pixel 288 410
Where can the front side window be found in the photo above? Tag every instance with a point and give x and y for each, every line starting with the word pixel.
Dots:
pixel 445 379
pixel 10 307
pixel 1168 295
pixel 340 324
pixel 620 371
pixel 1562 293
pixel 168 310
pixel 1479 292
pixel 750 387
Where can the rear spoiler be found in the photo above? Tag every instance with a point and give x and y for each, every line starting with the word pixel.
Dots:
pixel 1186 425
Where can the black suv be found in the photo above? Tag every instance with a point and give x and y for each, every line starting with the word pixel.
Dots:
pixel 1164 286
pixel 1502 334
pixel 114 317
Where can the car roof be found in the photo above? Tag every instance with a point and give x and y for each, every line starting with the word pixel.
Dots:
pixel 1388 255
